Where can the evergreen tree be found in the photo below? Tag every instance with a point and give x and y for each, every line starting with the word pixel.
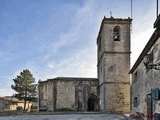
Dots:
pixel 25 87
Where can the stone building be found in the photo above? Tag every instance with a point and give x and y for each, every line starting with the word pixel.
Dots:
pixel 67 93
pixel 114 64
pixel 11 103
pixel 4 104
pixel 110 92
pixel 146 76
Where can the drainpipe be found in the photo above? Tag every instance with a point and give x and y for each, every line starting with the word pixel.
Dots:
pixel 151 105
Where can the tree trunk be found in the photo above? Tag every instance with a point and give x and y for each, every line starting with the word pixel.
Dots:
pixel 24 104
pixel 25 97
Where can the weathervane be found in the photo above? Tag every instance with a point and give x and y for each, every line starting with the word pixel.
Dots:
pixel 110 13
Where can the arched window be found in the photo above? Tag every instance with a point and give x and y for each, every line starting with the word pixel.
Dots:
pixel 116 34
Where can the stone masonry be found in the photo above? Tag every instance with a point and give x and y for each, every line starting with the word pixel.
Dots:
pixel 114 65
pixel 64 93
pixel 146 77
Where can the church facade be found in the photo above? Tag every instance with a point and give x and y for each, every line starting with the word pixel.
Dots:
pixel 110 92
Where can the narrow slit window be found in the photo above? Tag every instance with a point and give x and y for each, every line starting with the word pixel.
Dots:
pixel 135 77
pixel 116 36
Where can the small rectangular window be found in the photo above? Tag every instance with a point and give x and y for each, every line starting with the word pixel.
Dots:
pixel 135 77
pixel 135 102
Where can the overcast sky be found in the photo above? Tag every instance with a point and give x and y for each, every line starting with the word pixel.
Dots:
pixel 57 38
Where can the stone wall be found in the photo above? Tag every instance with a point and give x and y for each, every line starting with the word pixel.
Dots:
pixel 65 95
pixel 114 65
pixel 4 104
pixel 143 80
pixel 117 100
pixel 46 94
pixel 61 94
pixel 120 46
pixel 117 67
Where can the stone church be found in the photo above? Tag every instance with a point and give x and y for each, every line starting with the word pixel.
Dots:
pixel 110 92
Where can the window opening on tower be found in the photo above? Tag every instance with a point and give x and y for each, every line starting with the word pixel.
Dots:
pixel 116 36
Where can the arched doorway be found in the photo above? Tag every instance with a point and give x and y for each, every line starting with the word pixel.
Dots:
pixel 90 104
pixel 93 101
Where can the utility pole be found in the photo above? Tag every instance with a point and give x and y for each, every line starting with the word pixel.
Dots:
pixel 131 9
pixel 157 8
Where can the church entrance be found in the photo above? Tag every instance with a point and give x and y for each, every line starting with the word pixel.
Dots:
pixel 90 104
pixel 93 101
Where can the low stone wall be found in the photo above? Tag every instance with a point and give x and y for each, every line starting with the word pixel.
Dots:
pixel 10 112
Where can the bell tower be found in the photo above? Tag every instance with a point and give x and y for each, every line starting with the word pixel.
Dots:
pixel 113 54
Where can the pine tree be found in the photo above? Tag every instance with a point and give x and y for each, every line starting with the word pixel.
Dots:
pixel 25 87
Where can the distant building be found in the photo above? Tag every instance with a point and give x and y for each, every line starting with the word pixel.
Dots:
pixel 11 103
pixel 110 92
pixel 4 104
pixel 146 75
